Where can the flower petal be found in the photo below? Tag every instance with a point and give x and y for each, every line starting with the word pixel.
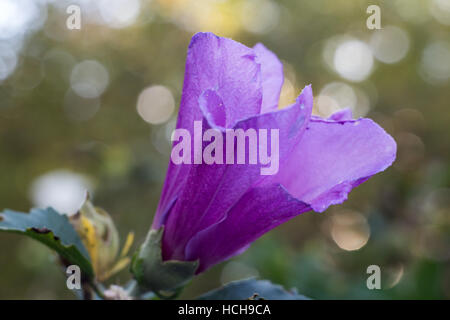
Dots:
pixel 272 77
pixel 257 212
pixel 226 66
pixel 218 64
pixel 213 108
pixel 210 190
pixel 343 114
pixel 334 157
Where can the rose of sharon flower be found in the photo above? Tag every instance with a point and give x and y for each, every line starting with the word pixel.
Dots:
pixel 211 212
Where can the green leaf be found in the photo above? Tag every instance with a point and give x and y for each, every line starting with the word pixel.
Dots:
pixel 252 289
pixel 52 229
pixel 152 273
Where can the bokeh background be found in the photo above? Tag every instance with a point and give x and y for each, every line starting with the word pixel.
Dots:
pixel 94 109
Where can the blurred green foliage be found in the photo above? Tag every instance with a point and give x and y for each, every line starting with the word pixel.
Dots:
pixel 403 213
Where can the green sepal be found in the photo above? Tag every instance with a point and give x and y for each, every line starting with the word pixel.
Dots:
pixel 156 275
pixel 53 230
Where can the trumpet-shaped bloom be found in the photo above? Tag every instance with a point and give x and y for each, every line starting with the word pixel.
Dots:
pixel 211 212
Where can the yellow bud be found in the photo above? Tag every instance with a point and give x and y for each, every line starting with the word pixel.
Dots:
pixel 101 239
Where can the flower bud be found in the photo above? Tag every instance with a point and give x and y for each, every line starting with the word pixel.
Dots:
pixel 101 238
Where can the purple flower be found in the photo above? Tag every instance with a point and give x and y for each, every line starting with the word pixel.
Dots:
pixel 211 212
